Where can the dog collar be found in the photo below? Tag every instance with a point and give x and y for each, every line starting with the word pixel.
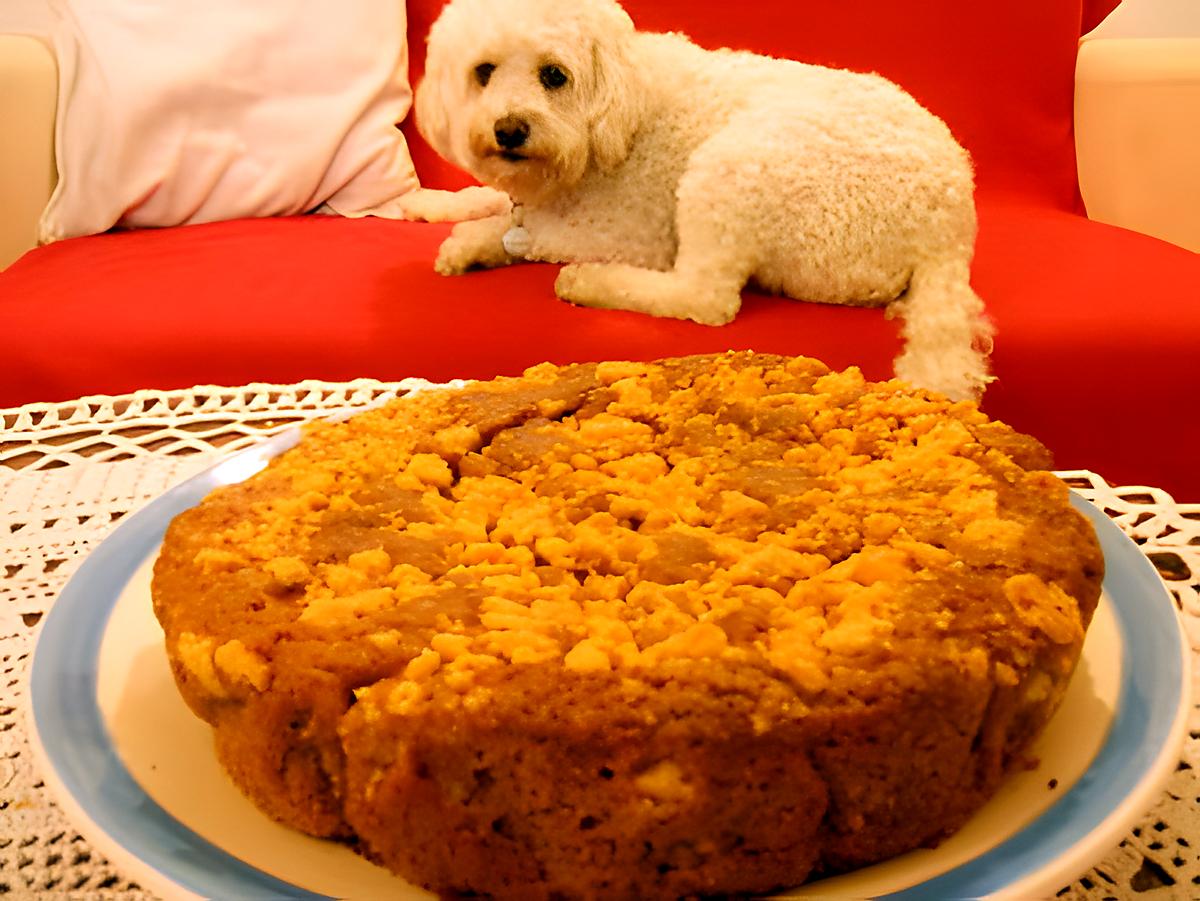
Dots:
pixel 517 241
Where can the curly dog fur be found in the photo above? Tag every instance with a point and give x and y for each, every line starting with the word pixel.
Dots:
pixel 667 176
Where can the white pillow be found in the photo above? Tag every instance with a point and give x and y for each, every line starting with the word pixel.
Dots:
pixel 175 113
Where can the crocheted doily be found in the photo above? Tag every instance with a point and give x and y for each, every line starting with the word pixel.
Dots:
pixel 70 471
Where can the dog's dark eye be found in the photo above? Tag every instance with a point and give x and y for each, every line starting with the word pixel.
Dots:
pixel 483 73
pixel 552 77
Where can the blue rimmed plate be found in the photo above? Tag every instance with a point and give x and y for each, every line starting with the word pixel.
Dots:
pixel 135 771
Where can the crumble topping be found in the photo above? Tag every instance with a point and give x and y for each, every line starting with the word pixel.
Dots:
pixel 621 518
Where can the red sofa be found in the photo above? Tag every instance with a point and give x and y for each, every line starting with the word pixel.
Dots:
pixel 1097 327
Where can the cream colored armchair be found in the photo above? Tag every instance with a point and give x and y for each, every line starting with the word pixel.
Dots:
pixel 28 98
pixel 1137 119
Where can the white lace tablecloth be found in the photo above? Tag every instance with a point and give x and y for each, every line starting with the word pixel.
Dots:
pixel 70 471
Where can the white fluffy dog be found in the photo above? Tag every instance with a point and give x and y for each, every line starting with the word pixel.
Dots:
pixel 669 176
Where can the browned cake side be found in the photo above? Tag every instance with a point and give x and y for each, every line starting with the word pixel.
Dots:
pixel 706 625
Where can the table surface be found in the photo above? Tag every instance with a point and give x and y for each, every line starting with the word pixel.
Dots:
pixel 70 471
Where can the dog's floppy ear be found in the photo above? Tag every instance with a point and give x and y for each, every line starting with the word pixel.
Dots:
pixel 616 95
pixel 431 102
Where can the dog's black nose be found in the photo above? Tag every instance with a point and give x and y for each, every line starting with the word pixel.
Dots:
pixel 511 132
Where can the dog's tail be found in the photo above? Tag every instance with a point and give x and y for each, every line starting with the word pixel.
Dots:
pixel 947 336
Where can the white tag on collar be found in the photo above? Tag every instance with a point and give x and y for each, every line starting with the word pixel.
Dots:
pixel 517 241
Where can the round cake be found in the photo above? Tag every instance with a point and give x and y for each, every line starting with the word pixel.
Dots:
pixel 715 624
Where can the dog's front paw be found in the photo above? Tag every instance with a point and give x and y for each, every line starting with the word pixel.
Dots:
pixel 475 244
pixel 431 205
pixel 455 257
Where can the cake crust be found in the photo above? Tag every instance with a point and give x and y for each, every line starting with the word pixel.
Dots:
pixel 707 625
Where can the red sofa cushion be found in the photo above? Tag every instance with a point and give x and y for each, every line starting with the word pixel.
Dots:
pixel 323 297
pixel 1096 345
pixel 1093 349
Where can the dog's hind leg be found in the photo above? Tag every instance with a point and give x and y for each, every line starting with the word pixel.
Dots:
pixel 704 285
pixel 620 287
pixel 947 336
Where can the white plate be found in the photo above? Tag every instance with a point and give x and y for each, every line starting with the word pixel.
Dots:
pixel 135 770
